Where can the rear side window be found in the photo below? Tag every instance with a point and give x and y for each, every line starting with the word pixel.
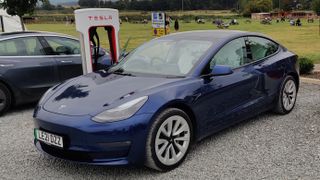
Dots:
pixel 260 48
pixel 27 46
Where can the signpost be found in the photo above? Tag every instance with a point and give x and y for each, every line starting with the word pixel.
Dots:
pixel 159 24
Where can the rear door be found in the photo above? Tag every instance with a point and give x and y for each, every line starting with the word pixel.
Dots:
pixel 265 57
pixel 66 52
pixel 26 65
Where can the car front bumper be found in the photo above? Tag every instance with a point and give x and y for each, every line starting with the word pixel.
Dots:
pixel 85 141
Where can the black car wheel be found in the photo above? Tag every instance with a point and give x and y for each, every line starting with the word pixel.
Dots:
pixel 169 140
pixel 287 96
pixel 5 98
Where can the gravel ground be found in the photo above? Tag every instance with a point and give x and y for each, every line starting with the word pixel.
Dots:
pixel 265 147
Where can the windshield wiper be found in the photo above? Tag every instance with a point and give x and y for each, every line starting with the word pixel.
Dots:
pixel 174 76
pixel 120 71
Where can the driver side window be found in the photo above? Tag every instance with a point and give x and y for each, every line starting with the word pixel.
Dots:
pixel 63 46
pixel 232 54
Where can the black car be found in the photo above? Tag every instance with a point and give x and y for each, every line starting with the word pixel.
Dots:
pixel 32 62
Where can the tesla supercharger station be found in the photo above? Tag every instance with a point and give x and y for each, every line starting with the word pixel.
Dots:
pixel 87 22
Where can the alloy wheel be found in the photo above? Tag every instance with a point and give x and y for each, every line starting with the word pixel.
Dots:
pixel 172 140
pixel 3 100
pixel 289 95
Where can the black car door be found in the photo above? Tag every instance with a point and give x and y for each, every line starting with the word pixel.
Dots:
pixel 224 98
pixel 66 52
pixel 26 66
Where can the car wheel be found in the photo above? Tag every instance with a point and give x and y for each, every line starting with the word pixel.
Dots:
pixel 169 140
pixel 287 96
pixel 5 98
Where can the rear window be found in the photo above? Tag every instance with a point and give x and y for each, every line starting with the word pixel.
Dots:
pixel 261 47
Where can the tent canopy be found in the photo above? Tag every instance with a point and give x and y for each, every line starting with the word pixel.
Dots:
pixel 9 23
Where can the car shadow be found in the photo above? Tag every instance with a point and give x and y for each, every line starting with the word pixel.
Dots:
pixel 236 127
pixel 20 108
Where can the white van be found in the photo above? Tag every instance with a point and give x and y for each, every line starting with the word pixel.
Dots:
pixel 9 23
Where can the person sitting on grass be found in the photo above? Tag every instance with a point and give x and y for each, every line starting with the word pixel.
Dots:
pixel 292 22
pixel 298 22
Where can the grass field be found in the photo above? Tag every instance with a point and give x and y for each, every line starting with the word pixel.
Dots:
pixel 305 40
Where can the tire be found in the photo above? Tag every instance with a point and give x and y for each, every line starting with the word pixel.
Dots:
pixel 172 148
pixel 5 99
pixel 287 96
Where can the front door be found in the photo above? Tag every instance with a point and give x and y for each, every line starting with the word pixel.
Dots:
pixel 66 52
pixel 224 98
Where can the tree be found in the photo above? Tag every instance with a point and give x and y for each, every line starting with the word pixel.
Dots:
pixel 88 3
pixel 155 5
pixel 59 7
pixel 46 5
pixel 316 6
pixel 287 5
pixel 316 9
pixel 256 6
pixel 306 4
pixel 20 8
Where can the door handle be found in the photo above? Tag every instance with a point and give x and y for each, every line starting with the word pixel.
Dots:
pixel 63 61
pixel 6 65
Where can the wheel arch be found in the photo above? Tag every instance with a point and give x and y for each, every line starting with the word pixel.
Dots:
pixel 7 85
pixel 296 78
pixel 182 105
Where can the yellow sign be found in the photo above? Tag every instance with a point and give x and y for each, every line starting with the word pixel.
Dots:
pixel 160 31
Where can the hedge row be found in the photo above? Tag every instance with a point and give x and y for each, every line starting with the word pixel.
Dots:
pixel 60 18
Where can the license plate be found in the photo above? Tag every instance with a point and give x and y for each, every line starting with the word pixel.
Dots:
pixel 48 138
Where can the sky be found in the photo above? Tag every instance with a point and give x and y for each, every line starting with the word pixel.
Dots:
pixel 56 2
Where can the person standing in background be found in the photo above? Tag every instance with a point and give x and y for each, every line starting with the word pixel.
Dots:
pixel 176 25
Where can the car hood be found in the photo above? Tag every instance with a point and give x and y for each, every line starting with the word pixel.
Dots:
pixel 95 92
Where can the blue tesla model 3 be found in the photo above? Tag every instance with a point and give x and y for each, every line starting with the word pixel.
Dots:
pixel 165 95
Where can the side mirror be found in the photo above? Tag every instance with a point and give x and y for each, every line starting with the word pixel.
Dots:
pixel 220 70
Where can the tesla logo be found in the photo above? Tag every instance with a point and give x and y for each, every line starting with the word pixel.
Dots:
pixel 62 106
pixel 99 18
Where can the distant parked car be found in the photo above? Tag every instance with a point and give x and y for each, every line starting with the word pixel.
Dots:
pixel 32 62
pixel 201 21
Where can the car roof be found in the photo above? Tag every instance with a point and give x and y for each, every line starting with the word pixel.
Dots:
pixel 209 34
pixel 10 35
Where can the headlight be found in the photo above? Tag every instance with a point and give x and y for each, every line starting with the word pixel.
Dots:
pixel 121 112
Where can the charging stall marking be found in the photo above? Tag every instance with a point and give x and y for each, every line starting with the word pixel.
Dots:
pixel 87 22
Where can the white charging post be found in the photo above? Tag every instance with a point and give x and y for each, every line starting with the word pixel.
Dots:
pixel 92 18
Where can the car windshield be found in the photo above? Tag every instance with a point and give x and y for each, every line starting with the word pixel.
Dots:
pixel 164 57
